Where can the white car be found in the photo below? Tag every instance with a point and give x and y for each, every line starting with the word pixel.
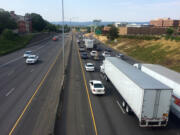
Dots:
pixel 32 59
pixel 106 54
pixel 93 53
pixel 96 87
pixel 82 49
pixel 102 69
pixel 27 54
pixel 89 67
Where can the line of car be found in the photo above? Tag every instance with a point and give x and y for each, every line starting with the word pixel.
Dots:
pixel 30 57
pixel 97 54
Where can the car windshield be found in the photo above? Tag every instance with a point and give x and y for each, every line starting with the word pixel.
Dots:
pixel 31 57
pixel 90 65
pixel 98 85
pixel 27 52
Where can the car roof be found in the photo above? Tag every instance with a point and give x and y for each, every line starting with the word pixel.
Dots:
pixel 89 64
pixel 96 81
pixel 28 51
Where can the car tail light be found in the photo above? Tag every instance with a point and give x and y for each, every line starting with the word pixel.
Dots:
pixel 176 101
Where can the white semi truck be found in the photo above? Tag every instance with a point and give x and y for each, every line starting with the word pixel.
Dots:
pixel 89 43
pixel 168 77
pixel 148 98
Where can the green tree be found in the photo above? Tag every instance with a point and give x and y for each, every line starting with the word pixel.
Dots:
pixel 8 34
pixel 6 22
pixel 50 27
pixel 170 31
pixel 88 29
pixel 113 33
pixel 38 23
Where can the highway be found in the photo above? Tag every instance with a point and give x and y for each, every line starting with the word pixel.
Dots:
pixel 83 113
pixel 27 92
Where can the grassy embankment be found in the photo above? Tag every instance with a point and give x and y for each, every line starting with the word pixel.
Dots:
pixel 7 46
pixel 159 50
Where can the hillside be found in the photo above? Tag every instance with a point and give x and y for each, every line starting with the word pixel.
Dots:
pixel 161 51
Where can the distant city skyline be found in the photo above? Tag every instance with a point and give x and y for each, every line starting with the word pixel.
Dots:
pixel 106 10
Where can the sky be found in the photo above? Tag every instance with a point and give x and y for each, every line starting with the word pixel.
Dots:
pixel 88 10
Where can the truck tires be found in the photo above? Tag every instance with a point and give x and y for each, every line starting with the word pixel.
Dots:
pixel 106 78
pixel 123 104
pixel 127 109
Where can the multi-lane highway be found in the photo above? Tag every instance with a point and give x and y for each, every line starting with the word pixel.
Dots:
pixel 29 96
pixel 83 113
pixel 28 92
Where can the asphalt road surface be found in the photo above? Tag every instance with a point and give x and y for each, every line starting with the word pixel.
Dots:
pixel 28 91
pixel 87 114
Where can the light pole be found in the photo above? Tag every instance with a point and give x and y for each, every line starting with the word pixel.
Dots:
pixel 71 22
pixel 63 35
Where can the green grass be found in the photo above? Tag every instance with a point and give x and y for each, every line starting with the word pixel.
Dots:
pixel 8 46
pixel 155 55
pixel 140 37
pixel 151 54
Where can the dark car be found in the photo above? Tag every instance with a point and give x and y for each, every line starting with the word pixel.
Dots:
pixel 84 56
pixel 108 50
pixel 98 49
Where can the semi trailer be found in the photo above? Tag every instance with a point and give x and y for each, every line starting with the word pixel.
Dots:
pixel 168 77
pixel 147 98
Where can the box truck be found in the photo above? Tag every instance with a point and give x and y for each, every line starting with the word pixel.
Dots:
pixel 89 43
pixel 168 77
pixel 148 98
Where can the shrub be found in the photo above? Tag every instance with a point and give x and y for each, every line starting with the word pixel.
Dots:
pixel 170 31
pixel 8 34
pixel 113 33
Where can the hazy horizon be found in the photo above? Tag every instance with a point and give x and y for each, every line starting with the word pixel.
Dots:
pixel 107 11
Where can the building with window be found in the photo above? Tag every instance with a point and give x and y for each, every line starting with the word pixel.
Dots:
pixel 165 22
pixel 24 22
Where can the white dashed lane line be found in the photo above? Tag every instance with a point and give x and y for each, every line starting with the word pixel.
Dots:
pixel 32 70
pixel 11 91
pixel 11 72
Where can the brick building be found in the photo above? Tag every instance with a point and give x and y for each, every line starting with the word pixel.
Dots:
pixel 106 29
pixel 165 22
pixel 24 22
pixel 142 31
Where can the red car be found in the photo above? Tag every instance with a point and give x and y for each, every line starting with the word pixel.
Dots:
pixel 55 38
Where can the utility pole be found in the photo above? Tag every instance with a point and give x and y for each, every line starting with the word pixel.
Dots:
pixel 63 36
pixel 96 23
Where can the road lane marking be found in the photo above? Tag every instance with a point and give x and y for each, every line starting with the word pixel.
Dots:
pixel 120 107
pixel 11 61
pixel 89 100
pixel 11 91
pixel 39 48
pixel 10 73
pixel 35 93
pixel 18 58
